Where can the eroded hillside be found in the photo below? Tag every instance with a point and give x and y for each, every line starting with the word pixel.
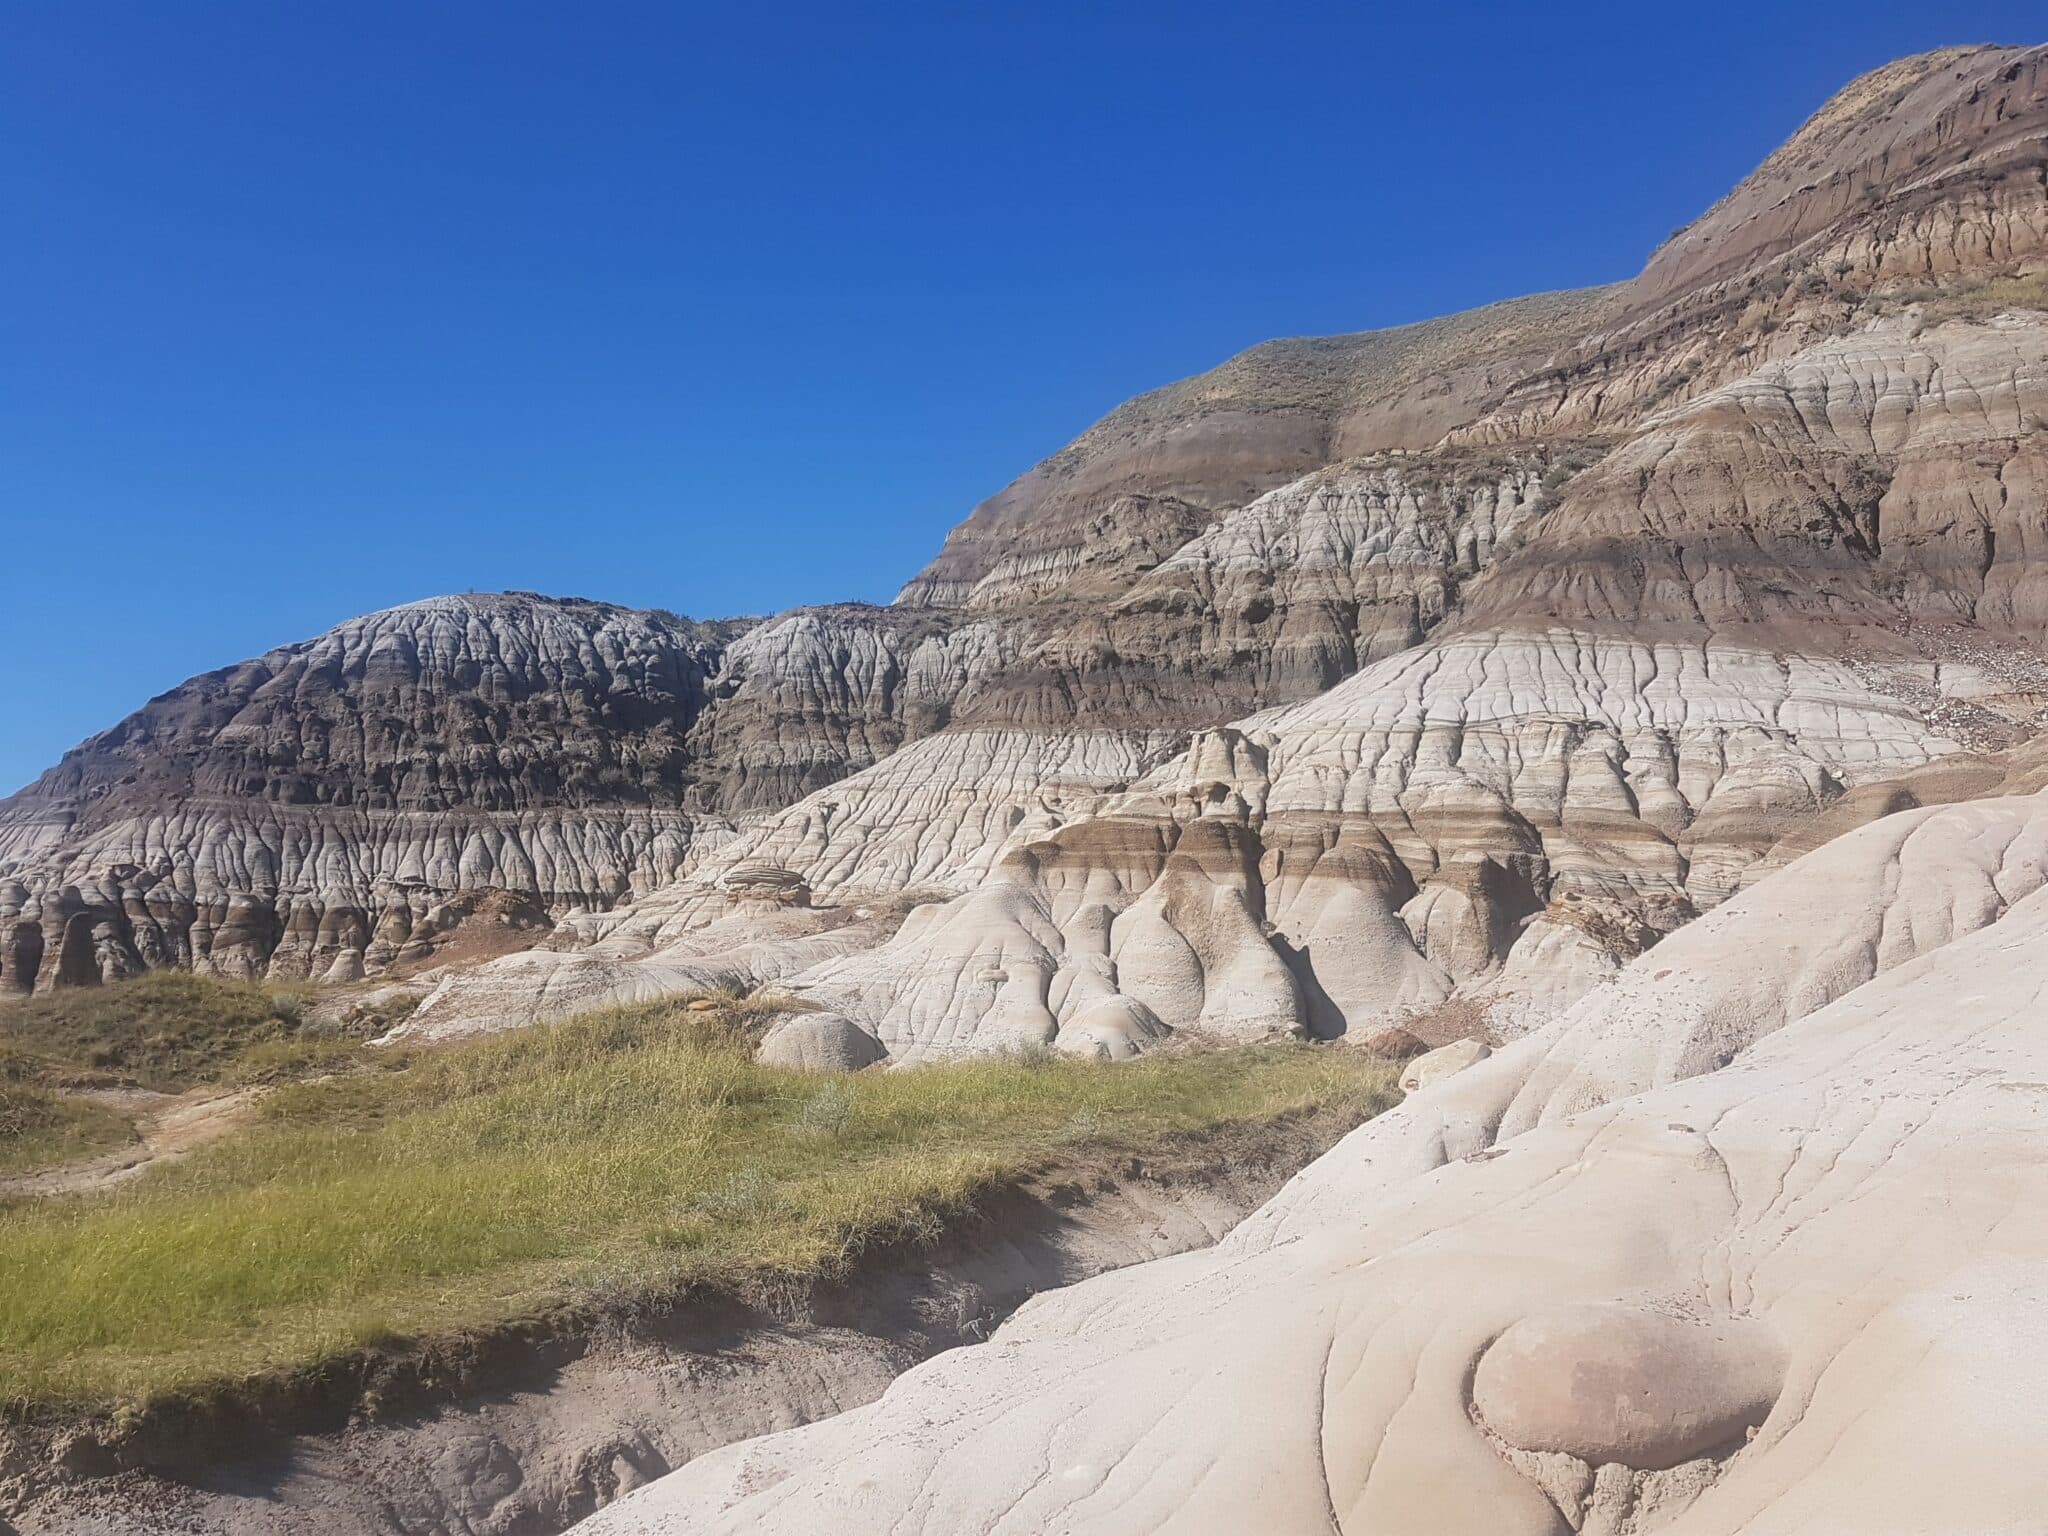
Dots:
pixel 1444 666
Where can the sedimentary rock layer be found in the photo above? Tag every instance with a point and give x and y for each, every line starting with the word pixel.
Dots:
pixel 1770 1207
pixel 1807 438
pixel 1661 666
pixel 316 809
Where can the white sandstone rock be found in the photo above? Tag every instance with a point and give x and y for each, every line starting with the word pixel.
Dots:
pixel 819 1042
pixel 1434 1066
pixel 1835 1240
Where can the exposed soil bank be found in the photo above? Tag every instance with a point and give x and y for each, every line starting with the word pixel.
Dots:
pixel 524 1430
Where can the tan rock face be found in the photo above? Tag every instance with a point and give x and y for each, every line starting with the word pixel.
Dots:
pixel 1259 421
pixel 1940 132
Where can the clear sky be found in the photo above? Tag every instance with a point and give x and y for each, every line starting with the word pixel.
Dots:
pixel 310 308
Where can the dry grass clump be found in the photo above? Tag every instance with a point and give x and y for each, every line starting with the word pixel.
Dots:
pixel 165 1030
pixel 1975 298
pixel 1327 374
pixel 635 1147
pixel 1454 1018
pixel 40 1129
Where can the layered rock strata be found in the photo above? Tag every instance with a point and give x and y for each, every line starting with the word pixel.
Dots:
pixel 1499 552
pixel 1659 669
pixel 317 810
pixel 1750 1241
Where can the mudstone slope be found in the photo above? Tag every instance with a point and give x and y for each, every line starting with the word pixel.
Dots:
pixel 1437 738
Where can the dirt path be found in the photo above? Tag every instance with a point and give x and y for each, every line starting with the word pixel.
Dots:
pixel 167 1125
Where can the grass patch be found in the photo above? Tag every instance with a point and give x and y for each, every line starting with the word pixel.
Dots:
pixel 40 1129
pixel 1976 298
pixel 166 1030
pixel 630 1149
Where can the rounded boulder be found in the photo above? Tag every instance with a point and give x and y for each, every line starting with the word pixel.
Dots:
pixel 1434 1066
pixel 1627 1383
pixel 1111 1029
pixel 819 1042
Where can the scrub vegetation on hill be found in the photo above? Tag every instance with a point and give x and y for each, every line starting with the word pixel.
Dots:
pixel 628 1151
pixel 39 1128
pixel 1975 298
pixel 163 1030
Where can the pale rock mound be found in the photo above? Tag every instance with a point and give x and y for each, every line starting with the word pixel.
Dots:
pixel 1434 1066
pixel 753 945
pixel 1750 1241
pixel 819 1042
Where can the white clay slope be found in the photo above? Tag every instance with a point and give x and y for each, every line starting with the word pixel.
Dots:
pixel 1752 1241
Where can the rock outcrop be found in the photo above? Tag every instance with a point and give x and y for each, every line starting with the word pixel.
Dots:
pixel 1167 462
pixel 1750 1241
pixel 1736 619
pixel 1360 679
pixel 318 808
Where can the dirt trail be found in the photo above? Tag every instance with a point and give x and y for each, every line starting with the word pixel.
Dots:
pixel 167 1125
pixel 526 1431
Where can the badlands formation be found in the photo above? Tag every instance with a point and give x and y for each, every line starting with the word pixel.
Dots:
pixel 1754 1239
pixel 1632 693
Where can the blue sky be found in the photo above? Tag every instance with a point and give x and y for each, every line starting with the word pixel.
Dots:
pixel 311 308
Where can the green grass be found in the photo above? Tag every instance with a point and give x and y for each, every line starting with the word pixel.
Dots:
pixel 41 1129
pixel 625 1151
